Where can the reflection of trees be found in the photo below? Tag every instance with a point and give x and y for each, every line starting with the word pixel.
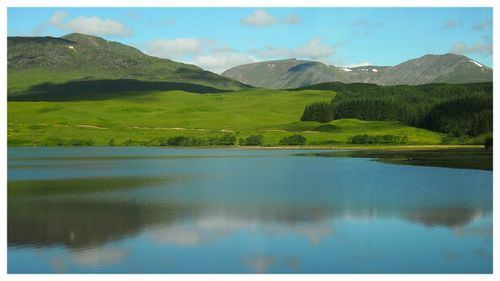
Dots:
pixel 87 223
pixel 82 223
pixel 450 217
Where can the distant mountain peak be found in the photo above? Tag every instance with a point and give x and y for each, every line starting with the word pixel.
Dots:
pixel 84 38
pixel 80 35
pixel 430 68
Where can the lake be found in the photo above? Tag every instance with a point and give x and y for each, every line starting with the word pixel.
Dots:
pixel 156 210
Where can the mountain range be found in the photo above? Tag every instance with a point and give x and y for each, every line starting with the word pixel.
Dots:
pixel 293 73
pixel 79 63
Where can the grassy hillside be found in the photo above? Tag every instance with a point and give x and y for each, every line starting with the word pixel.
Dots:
pixel 33 61
pixel 137 119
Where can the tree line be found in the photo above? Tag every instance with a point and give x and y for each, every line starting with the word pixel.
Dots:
pixel 181 141
pixel 459 110
pixel 379 139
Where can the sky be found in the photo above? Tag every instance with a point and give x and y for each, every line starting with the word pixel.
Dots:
pixel 217 39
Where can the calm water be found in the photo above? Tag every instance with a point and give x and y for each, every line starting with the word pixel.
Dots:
pixel 153 210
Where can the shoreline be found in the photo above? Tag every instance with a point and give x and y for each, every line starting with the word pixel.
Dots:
pixel 307 147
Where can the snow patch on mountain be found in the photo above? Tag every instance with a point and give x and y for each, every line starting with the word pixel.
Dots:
pixel 476 63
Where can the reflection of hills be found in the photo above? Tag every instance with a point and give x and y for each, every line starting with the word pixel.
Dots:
pixel 87 223
pixel 85 212
pixel 79 212
pixel 83 224
pixel 450 217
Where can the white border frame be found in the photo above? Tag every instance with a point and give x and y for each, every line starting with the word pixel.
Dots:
pixel 229 3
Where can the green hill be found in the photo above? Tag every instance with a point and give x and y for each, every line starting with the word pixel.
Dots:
pixel 35 61
pixel 140 119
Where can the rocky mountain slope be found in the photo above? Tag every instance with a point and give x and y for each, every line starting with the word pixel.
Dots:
pixel 293 73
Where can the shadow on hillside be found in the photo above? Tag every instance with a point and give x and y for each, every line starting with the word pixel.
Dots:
pixel 104 89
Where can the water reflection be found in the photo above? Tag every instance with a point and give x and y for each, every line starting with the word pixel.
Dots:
pixel 259 264
pixel 207 229
pixel 176 213
pixel 89 259
pixel 83 224
pixel 450 217
pixel 51 188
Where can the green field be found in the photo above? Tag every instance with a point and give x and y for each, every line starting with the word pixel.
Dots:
pixel 136 119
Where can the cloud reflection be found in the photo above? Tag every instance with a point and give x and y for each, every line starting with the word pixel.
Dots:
pixel 259 264
pixel 98 257
pixel 209 228
pixel 89 259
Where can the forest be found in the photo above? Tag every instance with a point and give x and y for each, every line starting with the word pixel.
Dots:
pixel 464 110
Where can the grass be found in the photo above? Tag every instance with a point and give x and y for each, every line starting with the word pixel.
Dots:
pixel 463 158
pixel 273 113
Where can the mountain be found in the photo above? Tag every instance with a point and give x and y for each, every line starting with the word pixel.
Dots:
pixel 448 68
pixel 293 73
pixel 35 61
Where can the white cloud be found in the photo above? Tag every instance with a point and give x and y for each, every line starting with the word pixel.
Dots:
pixel 218 62
pixel 259 18
pixel 314 49
pixel 204 53
pixel 175 48
pixel 292 20
pixel 89 25
pixel 57 19
pixel 478 48
pixel 97 26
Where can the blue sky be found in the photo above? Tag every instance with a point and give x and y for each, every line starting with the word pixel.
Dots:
pixel 219 38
